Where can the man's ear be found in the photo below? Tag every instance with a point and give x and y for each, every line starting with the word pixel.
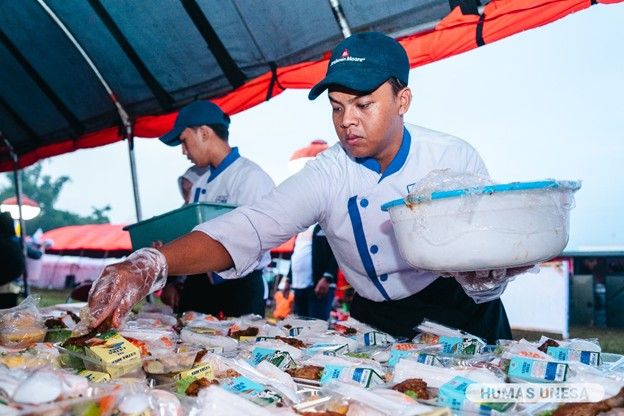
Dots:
pixel 205 132
pixel 405 100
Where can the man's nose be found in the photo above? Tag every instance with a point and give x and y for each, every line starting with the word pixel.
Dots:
pixel 348 117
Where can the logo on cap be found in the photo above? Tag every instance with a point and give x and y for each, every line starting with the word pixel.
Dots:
pixel 345 57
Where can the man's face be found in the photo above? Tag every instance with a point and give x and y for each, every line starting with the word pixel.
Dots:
pixel 370 125
pixel 195 146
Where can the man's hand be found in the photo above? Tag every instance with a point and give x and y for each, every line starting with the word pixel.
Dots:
pixel 486 285
pixel 322 287
pixel 170 295
pixel 121 285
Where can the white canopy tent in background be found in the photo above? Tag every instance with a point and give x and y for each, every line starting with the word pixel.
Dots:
pixel 540 301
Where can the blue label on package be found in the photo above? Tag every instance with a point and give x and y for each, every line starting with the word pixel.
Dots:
pixel 537 370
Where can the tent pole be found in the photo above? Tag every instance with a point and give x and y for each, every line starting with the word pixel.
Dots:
pixel 340 18
pixel 22 224
pixel 133 173
pixel 123 115
pixel 18 195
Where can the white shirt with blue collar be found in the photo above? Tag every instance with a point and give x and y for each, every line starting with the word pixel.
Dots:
pixel 345 194
pixel 236 180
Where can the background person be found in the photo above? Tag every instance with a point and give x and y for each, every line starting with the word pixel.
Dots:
pixel 313 274
pixel 12 262
pixel 202 129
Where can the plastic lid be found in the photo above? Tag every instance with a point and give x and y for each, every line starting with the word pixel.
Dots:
pixel 489 189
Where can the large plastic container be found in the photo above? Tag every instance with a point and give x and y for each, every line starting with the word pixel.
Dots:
pixel 483 228
pixel 174 224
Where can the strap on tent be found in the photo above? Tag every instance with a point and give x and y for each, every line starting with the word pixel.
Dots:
pixel 163 97
pixel 274 80
pixel 72 120
pixel 466 6
pixel 227 64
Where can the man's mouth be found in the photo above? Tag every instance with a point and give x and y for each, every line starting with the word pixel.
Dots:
pixel 352 139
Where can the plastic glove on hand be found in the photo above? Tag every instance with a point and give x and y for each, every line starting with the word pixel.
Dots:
pixel 123 284
pixel 486 285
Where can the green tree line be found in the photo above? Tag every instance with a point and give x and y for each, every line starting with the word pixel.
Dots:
pixel 45 190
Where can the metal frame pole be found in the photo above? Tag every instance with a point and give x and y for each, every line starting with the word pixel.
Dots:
pixel 133 172
pixel 18 195
pixel 123 115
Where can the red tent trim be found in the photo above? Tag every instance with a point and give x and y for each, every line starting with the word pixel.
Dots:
pixel 456 33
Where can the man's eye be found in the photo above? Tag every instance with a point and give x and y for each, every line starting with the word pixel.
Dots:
pixel 336 109
pixel 364 105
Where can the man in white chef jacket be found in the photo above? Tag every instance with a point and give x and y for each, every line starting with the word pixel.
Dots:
pixel 202 129
pixel 378 159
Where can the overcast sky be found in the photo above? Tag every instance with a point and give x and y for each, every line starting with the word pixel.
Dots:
pixel 546 103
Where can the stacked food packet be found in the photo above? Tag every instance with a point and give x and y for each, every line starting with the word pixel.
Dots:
pixel 159 364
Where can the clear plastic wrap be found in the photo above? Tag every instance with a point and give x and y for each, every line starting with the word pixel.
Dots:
pixel 23 325
pixel 454 222
pixel 224 343
pixel 216 401
pixel 121 285
pixel 39 355
pixel 363 402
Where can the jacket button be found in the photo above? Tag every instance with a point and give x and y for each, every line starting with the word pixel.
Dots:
pixel 383 277
pixel 364 203
pixel 374 249
pixel 203 191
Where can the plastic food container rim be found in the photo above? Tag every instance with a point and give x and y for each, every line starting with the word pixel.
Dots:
pixel 486 190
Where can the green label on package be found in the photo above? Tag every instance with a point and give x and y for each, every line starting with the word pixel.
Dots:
pixel 459 345
pixel 327 349
pixel 280 359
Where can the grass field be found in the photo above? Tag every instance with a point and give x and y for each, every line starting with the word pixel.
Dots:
pixel 611 339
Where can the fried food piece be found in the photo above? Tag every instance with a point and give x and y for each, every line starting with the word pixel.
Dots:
pixel 591 409
pixel 293 342
pixel 414 387
pixel 308 372
pixel 201 383
pixel 350 331
pixel 229 373
pixel 252 331
pixel 548 343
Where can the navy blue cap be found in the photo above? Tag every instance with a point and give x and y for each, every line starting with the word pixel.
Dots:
pixel 198 113
pixel 364 61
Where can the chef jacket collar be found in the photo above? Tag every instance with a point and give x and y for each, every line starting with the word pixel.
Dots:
pixel 225 163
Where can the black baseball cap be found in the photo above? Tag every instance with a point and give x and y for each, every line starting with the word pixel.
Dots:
pixel 198 113
pixel 364 61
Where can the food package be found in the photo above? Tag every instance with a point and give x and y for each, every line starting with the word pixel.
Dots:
pixel 224 343
pixel 216 401
pixel 23 325
pixel 109 352
pixel 179 359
